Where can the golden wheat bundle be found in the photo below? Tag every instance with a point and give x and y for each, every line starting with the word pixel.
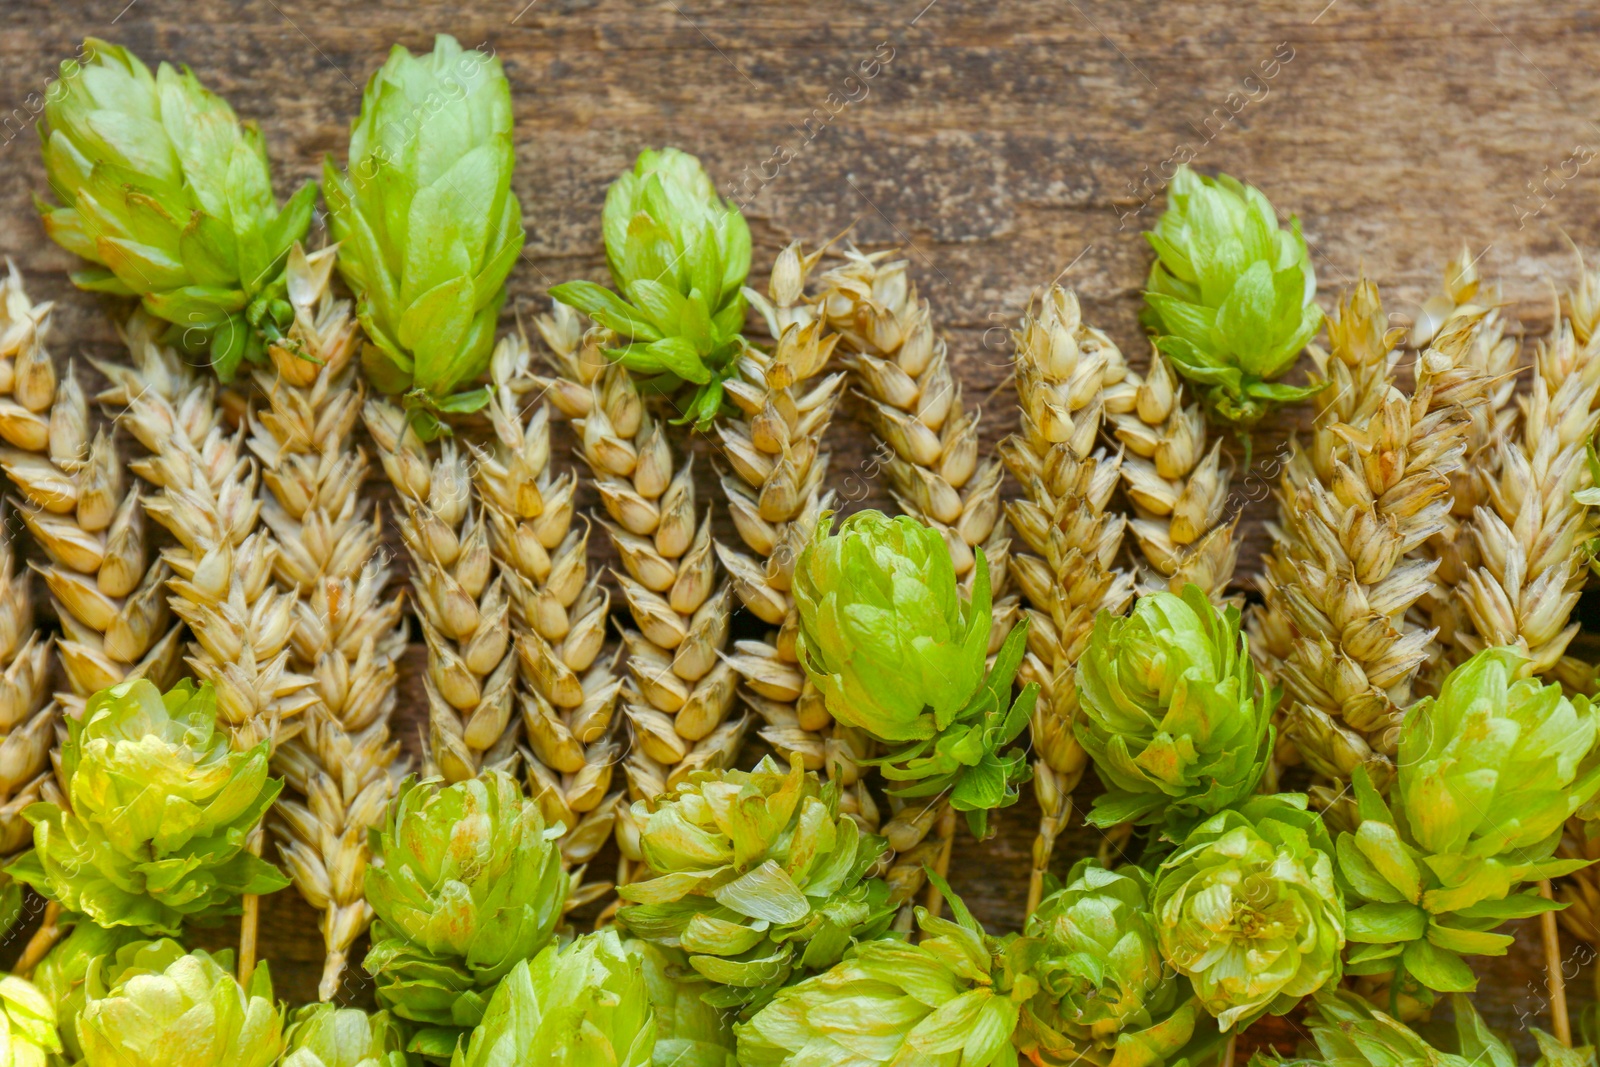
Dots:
pixel 1067 570
pixel 347 633
pixel 570 685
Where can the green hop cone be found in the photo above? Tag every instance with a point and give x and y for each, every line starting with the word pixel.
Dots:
pixel 27 1024
pixel 325 1036
pixel 169 195
pixel 428 225
pixel 161 813
pixel 62 974
pixel 1488 773
pixel 466 883
pixel 689 1031
pixel 897 652
pixel 586 1005
pixel 1105 994
pixel 1249 911
pixel 1230 295
pixel 679 255
pixel 757 875
pixel 1173 715
pixel 951 1000
pixel 191 1012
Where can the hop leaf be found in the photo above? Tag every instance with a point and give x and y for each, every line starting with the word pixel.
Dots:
pixel 1230 295
pixel 679 255
pixel 586 1005
pixel 169 195
pixel 191 1012
pixel 428 224
pixel 757 876
pixel 1249 911
pixel 1103 986
pixel 466 883
pixel 161 813
pixel 896 651
pixel 325 1036
pixel 1173 715
pixel 1488 773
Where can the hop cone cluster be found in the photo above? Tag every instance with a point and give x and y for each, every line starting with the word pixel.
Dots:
pixel 428 224
pixel 170 196
pixel 325 1036
pixel 585 1005
pixel 159 813
pixel 897 652
pixel 757 875
pixel 1173 715
pixel 466 883
pixel 1105 994
pixel 1488 773
pixel 1231 295
pixel 1249 911
pixel 169 1009
pixel 679 254
pixel 951 1000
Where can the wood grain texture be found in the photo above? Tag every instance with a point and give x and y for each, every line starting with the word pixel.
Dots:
pixel 1002 146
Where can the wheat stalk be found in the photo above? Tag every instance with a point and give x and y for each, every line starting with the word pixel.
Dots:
pixel 1177 485
pixel 1068 571
pixel 680 689
pixel 1371 488
pixel 347 635
pixel 570 685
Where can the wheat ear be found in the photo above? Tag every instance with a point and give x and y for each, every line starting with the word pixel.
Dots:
pixel 1067 570
pixel 348 635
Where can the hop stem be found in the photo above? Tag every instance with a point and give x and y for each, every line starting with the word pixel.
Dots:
pixel 1555 981
pixel 41 942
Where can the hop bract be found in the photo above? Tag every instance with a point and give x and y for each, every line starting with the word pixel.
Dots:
pixel 428 224
pixel 1248 910
pixel 169 195
pixel 1103 986
pixel 62 974
pixel 1488 773
pixel 586 1005
pixel 757 875
pixel 689 1031
pixel 161 813
pixel 1231 295
pixel 190 1013
pixel 1172 712
pixel 27 1024
pixel 951 1000
pixel 466 883
pixel 679 255
pixel 325 1036
pixel 896 651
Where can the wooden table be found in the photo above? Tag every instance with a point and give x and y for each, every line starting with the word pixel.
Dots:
pixel 1001 146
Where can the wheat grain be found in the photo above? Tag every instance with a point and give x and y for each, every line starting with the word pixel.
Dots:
pixel 1068 570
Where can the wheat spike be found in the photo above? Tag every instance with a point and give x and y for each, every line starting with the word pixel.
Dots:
pixel 680 689
pixel 570 685
pixel 1067 569
pixel 1178 486
pixel 347 635
pixel 1370 489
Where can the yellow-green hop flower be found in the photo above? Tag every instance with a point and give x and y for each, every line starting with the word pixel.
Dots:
pixel 1488 773
pixel 325 1036
pixel 1231 296
pixel 1249 911
pixel 62 974
pixel 27 1024
pixel 466 882
pixel 428 224
pixel 585 1005
pixel 1177 723
pixel 161 813
pixel 897 652
pixel 1106 996
pixel 191 1012
pixel 679 254
pixel 689 1031
pixel 169 195
pixel 756 876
